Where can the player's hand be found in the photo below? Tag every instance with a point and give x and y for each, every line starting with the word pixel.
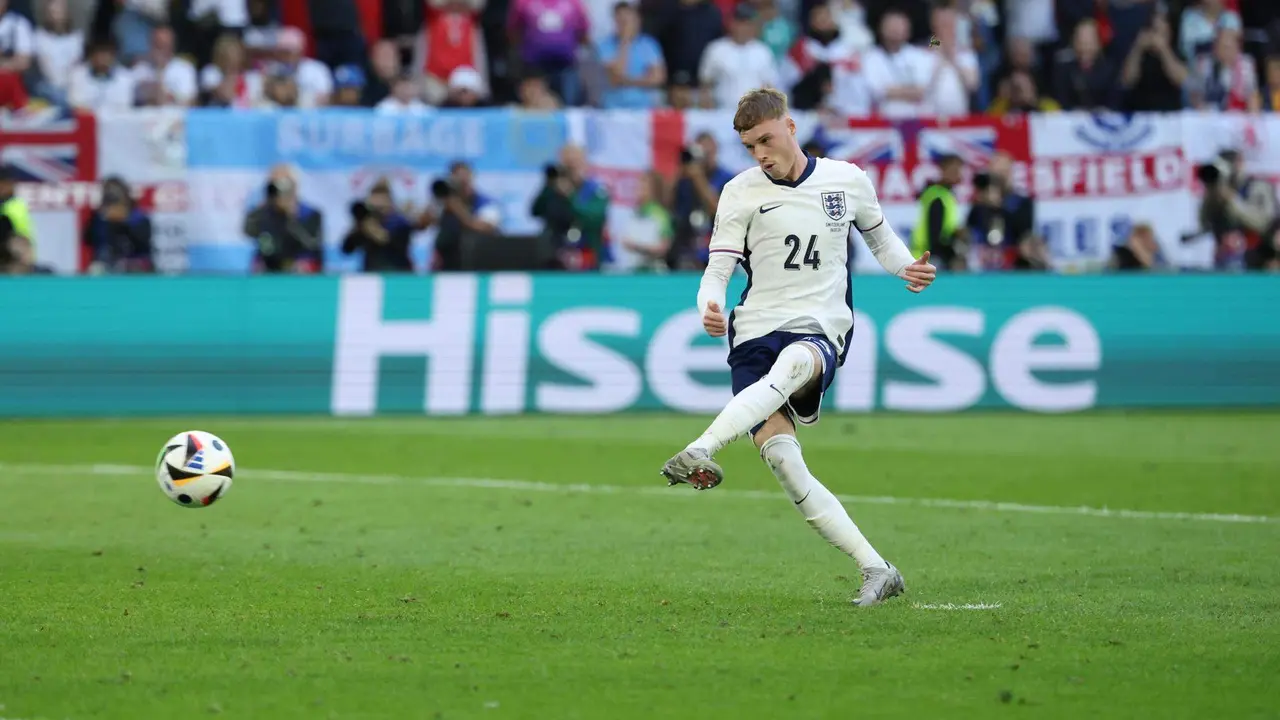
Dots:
pixel 919 274
pixel 713 320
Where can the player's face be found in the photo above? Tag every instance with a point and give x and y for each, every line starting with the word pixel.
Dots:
pixel 772 145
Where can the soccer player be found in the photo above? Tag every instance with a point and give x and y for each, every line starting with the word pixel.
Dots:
pixel 787 221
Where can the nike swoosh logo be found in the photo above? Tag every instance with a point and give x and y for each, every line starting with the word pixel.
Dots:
pixel 764 209
pixel 806 497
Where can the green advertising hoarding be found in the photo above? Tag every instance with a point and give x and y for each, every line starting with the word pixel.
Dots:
pixel 515 343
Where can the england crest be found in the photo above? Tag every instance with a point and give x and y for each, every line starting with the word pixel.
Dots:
pixel 833 204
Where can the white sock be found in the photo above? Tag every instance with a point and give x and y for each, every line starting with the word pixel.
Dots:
pixel 820 508
pixel 758 401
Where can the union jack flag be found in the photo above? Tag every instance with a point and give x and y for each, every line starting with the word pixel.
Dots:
pixel 48 145
pixel 974 145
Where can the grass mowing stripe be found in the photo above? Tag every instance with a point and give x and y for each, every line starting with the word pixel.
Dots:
pixel 531 486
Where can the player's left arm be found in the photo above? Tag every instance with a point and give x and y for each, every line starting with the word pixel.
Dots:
pixel 883 242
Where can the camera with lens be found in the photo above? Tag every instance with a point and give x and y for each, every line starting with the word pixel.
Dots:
pixel 690 154
pixel 441 189
pixel 360 210
pixel 1213 173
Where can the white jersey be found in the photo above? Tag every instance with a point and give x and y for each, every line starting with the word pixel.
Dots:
pixel 793 241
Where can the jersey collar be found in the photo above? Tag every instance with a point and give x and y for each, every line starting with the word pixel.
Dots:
pixel 808 170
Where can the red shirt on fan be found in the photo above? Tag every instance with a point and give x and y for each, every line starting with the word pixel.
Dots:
pixel 451 32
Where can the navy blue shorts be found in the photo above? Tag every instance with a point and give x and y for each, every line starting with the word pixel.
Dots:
pixel 753 359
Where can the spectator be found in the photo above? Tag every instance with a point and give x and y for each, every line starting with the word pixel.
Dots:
pixel 227 81
pixel 646 233
pixel 686 28
pixel 348 86
pixel 57 49
pixel 851 20
pixel 1271 90
pixel 1084 79
pixel 161 78
pixel 1126 19
pixel 825 70
pixel 261 37
pixel 1153 75
pixel 287 234
pixel 735 64
pixel 336 32
pixel 380 232
pixel 133 24
pixel 1020 55
pixel 466 89
pixel 18 257
pixel 955 75
pixel 1251 208
pixel 1140 251
pixel 1201 24
pixel 1033 22
pixel 535 95
pixel 404 98
pixel 777 32
pixel 313 78
pixel 548 33
pixel 117 238
pixel 279 88
pixel 100 84
pixel 1018 94
pixel 633 63
pixel 1227 78
pixel 939 229
pixel 13 209
pixel 462 214
pixel 1001 223
pixel 453 41
pixel 899 73
pixel 574 209
pixel 385 63
pixel 210 21
pixel 16 47
pixel 695 197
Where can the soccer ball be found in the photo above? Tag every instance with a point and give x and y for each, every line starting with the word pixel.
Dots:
pixel 194 468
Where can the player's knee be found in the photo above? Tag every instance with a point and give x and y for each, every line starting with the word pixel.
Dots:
pixel 795 366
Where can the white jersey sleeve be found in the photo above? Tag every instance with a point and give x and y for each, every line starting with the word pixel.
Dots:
pixel 728 246
pixel 869 219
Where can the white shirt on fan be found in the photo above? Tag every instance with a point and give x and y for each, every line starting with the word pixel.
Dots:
pixel 731 70
pixel 56 55
pixel 910 66
pixel 114 91
pixel 178 79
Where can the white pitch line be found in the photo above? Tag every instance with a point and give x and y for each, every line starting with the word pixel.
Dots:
pixel 660 491
pixel 953 606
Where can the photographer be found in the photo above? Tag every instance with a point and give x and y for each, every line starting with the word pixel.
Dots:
pixel 460 213
pixel 1240 212
pixel 1001 222
pixel 695 196
pixel 574 209
pixel 288 234
pixel 380 232
pixel 117 238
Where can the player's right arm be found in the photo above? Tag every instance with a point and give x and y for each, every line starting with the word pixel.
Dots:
pixel 728 248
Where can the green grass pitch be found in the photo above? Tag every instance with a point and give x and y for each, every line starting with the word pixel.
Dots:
pixel 539 568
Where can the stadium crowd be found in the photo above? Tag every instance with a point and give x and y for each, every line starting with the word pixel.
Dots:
pixel 855 57
pixel 861 58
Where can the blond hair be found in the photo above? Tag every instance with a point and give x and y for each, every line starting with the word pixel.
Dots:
pixel 759 106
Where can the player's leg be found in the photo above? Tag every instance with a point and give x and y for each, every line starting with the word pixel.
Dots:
pixel 766 371
pixel 780 450
pixel 797 365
